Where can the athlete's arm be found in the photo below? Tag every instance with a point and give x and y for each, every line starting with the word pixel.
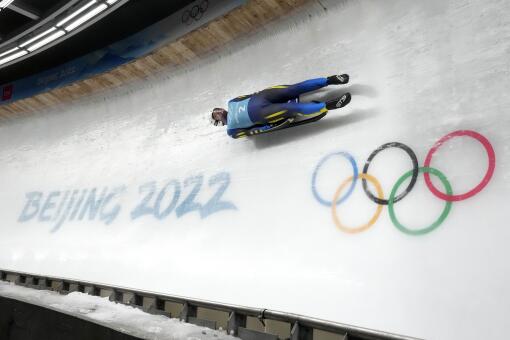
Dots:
pixel 237 133
pixel 240 133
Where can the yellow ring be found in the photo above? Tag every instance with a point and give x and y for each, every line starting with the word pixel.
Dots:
pixel 374 218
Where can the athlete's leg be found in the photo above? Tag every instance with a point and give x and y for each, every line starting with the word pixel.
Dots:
pixel 276 112
pixel 339 102
pixel 284 93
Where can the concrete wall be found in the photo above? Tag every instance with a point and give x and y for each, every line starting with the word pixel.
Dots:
pixel 23 321
pixel 136 188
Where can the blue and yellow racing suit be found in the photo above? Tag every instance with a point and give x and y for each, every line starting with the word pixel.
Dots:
pixel 263 109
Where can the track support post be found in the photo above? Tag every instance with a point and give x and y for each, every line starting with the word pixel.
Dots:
pixel 235 320
pixel 300 332
pixel 188 311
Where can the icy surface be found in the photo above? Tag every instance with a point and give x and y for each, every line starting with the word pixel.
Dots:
pixel 419 70
pixel 117 316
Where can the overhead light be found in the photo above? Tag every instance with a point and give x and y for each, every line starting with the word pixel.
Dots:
pixel 37 37
pixel 5 3
pixel 73 20
pixel 74 14
pixel 13 56
pixel 86 17
pixel 46 40
pixel 8 52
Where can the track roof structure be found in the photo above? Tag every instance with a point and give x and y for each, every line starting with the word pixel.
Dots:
pixel 22 21
pixel 245 20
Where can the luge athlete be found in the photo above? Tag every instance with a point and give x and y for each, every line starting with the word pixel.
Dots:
pixel 277 107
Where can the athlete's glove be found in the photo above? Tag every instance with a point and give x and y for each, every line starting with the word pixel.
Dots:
pixel 338 79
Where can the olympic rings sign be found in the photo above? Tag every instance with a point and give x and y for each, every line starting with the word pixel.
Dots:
pixel 195 13
pixel 393 198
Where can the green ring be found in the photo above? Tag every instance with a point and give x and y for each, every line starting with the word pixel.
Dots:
pixel 441 218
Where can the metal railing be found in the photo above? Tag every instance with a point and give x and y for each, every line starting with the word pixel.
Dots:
pixel 301 327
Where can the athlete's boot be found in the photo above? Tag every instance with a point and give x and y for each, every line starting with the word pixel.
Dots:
pixel 338 79
pixel 339 102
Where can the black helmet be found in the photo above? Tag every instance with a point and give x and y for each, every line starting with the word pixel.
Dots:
pixel 219 115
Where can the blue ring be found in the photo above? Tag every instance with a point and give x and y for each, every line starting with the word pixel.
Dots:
pixel 350 158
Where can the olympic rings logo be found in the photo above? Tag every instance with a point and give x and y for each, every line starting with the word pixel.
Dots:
pixel 448 196
pixel 195 13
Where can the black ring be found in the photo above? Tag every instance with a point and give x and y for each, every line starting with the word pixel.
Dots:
pixel 195 10
pixel 199 16
pixel 186 16
pixel 414 159
pixel 204 5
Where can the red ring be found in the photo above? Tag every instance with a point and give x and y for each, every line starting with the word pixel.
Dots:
pixel 490 170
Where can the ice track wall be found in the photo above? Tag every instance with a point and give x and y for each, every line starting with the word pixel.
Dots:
pixel 136 188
